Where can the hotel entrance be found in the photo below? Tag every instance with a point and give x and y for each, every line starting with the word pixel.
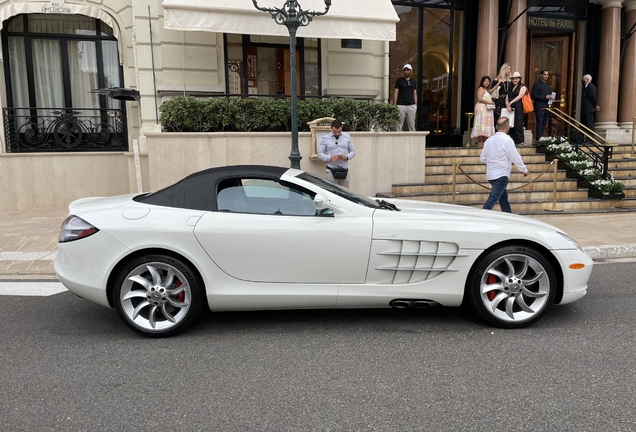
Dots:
pixel 553 53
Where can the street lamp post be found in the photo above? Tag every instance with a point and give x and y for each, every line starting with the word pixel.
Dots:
pixel 292 16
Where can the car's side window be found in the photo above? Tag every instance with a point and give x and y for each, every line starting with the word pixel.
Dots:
pixel 264 196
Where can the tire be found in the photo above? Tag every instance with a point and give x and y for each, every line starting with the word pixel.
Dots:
pixel 158 296
pixel 512 287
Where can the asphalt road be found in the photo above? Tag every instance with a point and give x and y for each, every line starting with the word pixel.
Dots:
pixel 67 364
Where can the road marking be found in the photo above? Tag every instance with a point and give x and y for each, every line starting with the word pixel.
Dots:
pixel 39 289
pixel 28 256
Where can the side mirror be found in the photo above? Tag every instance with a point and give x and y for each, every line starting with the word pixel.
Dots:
pixel 321 202
pixel 323 208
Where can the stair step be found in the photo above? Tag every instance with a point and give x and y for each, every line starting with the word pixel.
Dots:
pixel 481 177
pixel 537 167
pixel 534 198
pixel 482 195
pixel 525 207
pixel 540 185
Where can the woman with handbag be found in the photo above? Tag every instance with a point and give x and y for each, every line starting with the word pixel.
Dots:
pixel 500 88
pixel 484 125
pixel 513 102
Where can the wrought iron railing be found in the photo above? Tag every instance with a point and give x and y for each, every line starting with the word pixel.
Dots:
pixel 65 130
pixel 584 140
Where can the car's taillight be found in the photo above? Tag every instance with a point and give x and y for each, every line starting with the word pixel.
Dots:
pixel 75 228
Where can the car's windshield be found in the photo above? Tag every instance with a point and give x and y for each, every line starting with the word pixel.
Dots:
pixel 339 190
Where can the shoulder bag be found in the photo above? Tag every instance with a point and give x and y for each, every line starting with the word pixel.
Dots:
pixel 526 100
pixel 338 173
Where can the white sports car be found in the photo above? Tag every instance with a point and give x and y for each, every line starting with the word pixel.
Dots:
pixel 259 237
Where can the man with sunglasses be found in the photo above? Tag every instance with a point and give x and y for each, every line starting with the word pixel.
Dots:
pixel 405 98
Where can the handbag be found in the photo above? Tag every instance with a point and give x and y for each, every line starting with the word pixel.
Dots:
pixel 526 100
pixel 339 173
pixel 509 114
pixel 490 107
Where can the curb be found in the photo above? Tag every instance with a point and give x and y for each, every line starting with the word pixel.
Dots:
pixel 604 252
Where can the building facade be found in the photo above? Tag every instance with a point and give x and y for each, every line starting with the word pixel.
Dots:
pixel 56 56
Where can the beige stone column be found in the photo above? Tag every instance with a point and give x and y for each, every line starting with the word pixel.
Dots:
pixel 487 37
pixel 609 63
pixel 627 89
pixel 516 41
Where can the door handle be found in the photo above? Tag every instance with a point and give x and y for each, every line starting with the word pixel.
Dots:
pixel 562 102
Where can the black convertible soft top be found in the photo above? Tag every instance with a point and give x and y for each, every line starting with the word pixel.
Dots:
pixel 198 191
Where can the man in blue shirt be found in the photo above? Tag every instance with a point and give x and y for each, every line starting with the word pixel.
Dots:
pixel 541 95
pixel 336 149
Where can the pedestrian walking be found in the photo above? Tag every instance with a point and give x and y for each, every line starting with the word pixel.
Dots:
pixel 499 154
pixel 405 98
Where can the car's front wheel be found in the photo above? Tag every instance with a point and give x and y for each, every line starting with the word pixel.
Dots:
pixel 512 287
pixel 158 295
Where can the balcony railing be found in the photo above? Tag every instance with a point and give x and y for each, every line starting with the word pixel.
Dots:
pixel 65 130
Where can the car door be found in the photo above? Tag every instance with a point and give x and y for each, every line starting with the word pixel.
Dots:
pixel 269 232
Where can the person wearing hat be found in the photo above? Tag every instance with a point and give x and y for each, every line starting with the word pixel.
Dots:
pixel 513 103
pixel 405 98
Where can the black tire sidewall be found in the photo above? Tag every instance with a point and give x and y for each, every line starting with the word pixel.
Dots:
pixel 196 290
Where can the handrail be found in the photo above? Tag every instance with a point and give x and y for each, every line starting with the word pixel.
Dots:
pixel 580 127
pixel 593 144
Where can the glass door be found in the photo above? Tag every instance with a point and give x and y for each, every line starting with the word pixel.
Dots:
pixel 553 54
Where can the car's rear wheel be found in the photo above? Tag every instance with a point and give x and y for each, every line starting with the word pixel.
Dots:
pixel 158 295
pixel 512 287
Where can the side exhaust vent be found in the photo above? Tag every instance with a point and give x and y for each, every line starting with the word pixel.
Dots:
pixel 416 303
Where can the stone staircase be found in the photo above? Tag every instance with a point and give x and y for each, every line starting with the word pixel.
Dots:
pixel 533 199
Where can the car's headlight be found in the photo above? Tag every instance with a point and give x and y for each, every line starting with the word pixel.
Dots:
pixel 75 228
pixel 571 240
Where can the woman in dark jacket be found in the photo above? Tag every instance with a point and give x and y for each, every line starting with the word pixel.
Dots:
pixel 513 102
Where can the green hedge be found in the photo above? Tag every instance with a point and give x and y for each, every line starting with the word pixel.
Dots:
pixel 232 114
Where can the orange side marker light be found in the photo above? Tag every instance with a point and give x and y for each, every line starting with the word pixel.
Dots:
pixel 577 266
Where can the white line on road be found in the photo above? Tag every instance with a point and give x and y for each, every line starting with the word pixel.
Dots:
pixel 40 289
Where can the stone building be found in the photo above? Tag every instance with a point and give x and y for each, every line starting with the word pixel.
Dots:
pixel 56 54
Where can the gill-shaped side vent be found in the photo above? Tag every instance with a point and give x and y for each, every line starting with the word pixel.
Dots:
pixel 417 261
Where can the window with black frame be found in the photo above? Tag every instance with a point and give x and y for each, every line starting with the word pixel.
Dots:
pixel 260 66
pixel 55 62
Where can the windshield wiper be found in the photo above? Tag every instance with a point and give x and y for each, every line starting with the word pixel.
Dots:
pixel 387 205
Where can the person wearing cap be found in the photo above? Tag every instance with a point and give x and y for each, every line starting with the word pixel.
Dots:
pixel 513 103
pixel 405 98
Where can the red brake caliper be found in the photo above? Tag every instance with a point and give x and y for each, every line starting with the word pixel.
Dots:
pixel 181 295
pixel 491 279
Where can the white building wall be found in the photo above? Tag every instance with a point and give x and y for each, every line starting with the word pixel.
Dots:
pixel 353 72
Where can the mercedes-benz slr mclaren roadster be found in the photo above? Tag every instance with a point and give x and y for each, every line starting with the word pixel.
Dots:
pixel 259 237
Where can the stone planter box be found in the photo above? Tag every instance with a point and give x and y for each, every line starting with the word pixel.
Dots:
pixel 595 193
pixel 592 192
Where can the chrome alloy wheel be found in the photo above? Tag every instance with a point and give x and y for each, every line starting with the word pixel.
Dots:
pixel 155 296
pixel 515 288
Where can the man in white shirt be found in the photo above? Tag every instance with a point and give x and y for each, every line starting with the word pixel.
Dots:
pixel 337 150
pixel 499 154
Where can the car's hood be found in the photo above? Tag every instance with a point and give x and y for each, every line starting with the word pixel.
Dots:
pixel 469 213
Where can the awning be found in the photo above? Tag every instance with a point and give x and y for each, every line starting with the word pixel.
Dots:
pixel 346 19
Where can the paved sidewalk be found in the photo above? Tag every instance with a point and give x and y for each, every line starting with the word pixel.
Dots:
pixel 28 239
